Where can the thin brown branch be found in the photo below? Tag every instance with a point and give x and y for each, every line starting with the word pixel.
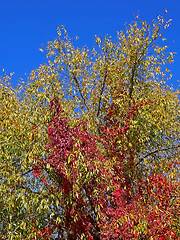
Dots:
pixel 28 171
pixel 103 85
pixel 93 221
pixel 132 81
pixel 156 151
pixel 79 88
pixel 136 63
pixel 102 89
pixel 76 81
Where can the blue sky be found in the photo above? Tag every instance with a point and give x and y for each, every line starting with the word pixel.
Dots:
pixel 26 26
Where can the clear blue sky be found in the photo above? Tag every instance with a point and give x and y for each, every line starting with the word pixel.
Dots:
pixel 28 25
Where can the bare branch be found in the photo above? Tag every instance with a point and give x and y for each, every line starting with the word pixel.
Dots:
pixel 132 81
pixel 102 89
pixel 77 82
pixel 136 63
pixel 156 151
pixel 28 171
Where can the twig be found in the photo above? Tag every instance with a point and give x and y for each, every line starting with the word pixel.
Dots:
pixel 77 82
pixel 102 89
pixel 156 151
pixel 132 81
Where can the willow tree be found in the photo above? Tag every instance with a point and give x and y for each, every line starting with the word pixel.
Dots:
pixel 91 137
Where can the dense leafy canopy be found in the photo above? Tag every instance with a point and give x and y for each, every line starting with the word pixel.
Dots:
pixel 89 147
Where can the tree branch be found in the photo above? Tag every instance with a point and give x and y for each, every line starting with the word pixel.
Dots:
pixel 102 89
pixel 156 151
pixel 132 76
pixel 28 171
pixel 77 82
pixel 132 81
pixel 93 221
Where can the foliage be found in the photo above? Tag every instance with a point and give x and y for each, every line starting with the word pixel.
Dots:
pixel 90 145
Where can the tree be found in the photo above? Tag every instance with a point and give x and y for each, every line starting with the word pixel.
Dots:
pixel 90 145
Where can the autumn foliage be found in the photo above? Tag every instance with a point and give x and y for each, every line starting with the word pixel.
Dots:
pixel 90 146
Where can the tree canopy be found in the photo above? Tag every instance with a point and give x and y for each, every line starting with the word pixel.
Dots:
pixel 89 146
